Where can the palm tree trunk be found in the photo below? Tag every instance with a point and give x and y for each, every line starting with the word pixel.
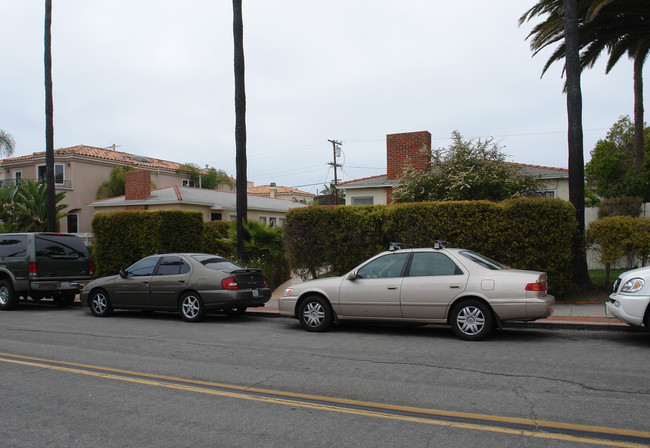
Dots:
pixel 240 129
pixel 575 139
pixel 49 122
pixel 639 134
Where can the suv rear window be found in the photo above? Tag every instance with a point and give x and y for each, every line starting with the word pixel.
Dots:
pixel 13 246
pixel 60 247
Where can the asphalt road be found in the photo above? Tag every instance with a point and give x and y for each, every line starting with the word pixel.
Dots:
pixel 69 379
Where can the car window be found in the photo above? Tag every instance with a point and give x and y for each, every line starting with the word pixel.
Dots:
pixel 143 267
pixel 432 263
pixel 387 266
pixel 483 260
pixel 216 263
pixel 173 266
pixel 60 247
pixel 13 246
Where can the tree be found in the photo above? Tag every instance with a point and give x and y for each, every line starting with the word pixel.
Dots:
pixel 209 178
pixel 116 183
pixel 611 172
pixel 562 23
pixel 240 128
pixel 24 207
pixel 7 144
pixel 49 122
pixel 467 170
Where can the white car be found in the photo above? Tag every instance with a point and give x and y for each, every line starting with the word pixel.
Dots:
pixel 467 290
pixel 630 297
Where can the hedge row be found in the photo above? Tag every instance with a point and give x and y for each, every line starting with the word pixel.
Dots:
pixel 617 236
pixel 122 238
pixel 531 234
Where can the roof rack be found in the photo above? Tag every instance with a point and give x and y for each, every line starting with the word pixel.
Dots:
pixel 439 244
pixel 398 246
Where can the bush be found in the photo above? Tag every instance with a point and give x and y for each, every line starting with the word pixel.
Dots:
pixel 124 237
pixel 623 206
pixel 617 236
pixel 216 238
pixel 523 233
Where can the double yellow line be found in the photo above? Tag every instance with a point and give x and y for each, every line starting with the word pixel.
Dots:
pixel 480 422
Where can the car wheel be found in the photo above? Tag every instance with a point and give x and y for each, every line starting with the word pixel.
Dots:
pixel 315 314
pixel 471 320
pixel 99 303
pixel 65 300
pixel 191 307
pixel 235 311
pixel 7 297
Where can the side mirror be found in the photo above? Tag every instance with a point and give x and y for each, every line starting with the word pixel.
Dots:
pixel 352 275
pixel 122 273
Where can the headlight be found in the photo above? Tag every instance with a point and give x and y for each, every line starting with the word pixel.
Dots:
pixel 633 285
pixel 288 291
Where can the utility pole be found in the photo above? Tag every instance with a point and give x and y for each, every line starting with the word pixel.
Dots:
pixel 336 148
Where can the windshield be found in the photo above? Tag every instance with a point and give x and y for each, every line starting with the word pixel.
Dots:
pixel 216 263
pixel 483 260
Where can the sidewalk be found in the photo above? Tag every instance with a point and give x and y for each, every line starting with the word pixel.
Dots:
pixel 565 315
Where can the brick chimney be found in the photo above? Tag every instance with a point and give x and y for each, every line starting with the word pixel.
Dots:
pixel 406 148
pixel 137 185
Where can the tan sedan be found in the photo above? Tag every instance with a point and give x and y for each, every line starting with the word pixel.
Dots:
pixel 469 291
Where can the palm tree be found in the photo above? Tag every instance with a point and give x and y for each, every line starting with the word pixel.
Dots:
pixel 562 24
pixel 49 122
pixel 7 144
pixel 240 129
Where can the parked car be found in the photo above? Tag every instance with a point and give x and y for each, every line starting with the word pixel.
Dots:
pixel 42 265
pixel 630 298
pixel 191 284
pixel 469 291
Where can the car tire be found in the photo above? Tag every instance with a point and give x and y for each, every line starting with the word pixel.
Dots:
pixel 191 307
pixel 7 297
pixel 315 314
pixel 471 320
pixel 99 303
pixel 64 300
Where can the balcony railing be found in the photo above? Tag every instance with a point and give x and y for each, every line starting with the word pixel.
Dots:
pixel 66 184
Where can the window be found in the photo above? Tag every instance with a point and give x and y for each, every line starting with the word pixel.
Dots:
pixel 483 260
pixel 272 221
pixel 386 266
pixel 60 247
pixel 13 246
pixel 188 183
pixel 215 216
pixel 552 194
pixel 216 263
pixel 58 173
pixel 426 264
pixel 262 219
pixel 143 268
pixel 173 266
pixel 363 200
pixel 17 175
pixel 73 223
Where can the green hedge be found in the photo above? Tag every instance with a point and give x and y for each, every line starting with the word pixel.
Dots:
pixel 215 235
pixel 124 237
pixel 616 236
pixel 523 233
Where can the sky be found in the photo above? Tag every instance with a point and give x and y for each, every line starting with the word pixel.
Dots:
pixel 155 78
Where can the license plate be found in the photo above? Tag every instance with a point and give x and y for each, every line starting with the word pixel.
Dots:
pixel 64 285
pixel 256 293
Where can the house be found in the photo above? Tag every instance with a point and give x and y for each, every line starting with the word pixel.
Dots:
pixel 405 148
pixel 279 192
pixel 215 205
pixel 80 170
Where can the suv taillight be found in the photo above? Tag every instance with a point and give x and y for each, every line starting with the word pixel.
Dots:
pixel 90 267
pixel 229 283
pixel 33 269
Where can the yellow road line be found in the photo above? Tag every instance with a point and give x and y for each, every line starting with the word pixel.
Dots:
pixel 323 403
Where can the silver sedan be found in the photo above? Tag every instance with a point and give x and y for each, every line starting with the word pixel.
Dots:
pixel 469 291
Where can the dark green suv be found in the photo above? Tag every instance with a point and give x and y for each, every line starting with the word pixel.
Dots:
pixel 40 265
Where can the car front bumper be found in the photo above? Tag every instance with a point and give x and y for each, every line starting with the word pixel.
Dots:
pixel 629 309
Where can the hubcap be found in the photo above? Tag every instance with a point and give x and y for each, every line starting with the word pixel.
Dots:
pixel 191 307
pixel 99 303
pixel 4 295
pixel 314 314
pixel 470 320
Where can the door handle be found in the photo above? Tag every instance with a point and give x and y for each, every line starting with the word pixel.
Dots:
pixel 181 281
pixel 454 286
pixel 392 287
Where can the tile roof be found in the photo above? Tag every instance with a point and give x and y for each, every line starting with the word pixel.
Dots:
pixel 266 190
pixel 105 154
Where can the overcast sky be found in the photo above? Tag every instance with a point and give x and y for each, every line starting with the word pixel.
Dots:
pixel 155 78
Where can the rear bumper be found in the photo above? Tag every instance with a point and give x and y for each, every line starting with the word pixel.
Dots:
pixel 219 299
pixel 57 287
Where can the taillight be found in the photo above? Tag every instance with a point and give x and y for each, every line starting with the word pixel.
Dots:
pixel 33 269
pixel 229 283
pixel 539 286
pixel 90 267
